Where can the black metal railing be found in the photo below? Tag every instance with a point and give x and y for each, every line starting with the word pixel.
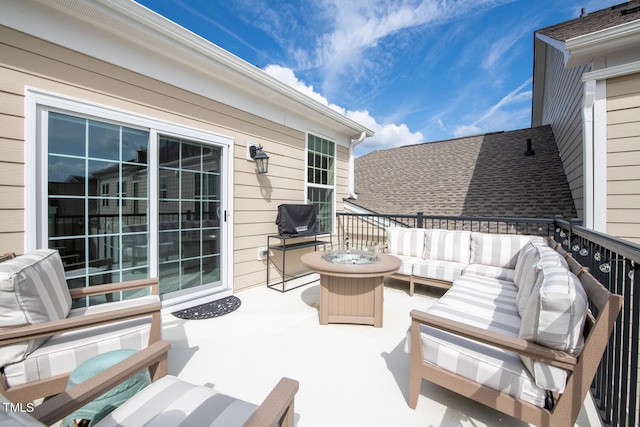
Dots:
pixel 614 262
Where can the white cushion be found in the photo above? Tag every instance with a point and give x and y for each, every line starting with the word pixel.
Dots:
pixel 532 258
pixel 447 245
pixel 439 270
pixel 554 317
pixel 499 250
pixel 501 273
pixel 405 241
pixel 171 402
pixel 33 290
pixel 407 264
pixel 61 353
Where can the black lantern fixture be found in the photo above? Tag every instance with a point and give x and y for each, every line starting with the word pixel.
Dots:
pixel 261 158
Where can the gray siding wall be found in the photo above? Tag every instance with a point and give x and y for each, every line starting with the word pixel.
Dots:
pixel 562 109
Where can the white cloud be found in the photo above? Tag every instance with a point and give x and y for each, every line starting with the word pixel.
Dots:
pixel 496 118
pixel 386 135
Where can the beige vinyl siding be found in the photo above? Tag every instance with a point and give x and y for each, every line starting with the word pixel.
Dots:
pixel 623 157
pixel 563 111
pixel 27 61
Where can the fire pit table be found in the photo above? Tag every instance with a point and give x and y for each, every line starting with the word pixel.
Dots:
pixel 351 285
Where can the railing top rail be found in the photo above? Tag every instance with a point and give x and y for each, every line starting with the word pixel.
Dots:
pixel 455 218
pixel 624 248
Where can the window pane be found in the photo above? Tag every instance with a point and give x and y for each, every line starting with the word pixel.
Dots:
pixel 104 140
pixel 134 145
pixel 66 134
pixel 66 176
pixel 169 152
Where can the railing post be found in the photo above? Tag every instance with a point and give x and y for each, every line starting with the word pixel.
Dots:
pixel 419 219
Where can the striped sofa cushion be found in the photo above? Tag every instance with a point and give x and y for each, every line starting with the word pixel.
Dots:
pixel 554 317
pixel 405 241
pixel 33 290
pixel 487 303
pixel 407 264
pixel 170 401
pixel 62 353
pixel 499 250
pixel 532 258
pixel 439 270
pixel 490 271
pixel 447 245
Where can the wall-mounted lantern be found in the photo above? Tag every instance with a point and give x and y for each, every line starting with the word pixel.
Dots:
pixel 260 157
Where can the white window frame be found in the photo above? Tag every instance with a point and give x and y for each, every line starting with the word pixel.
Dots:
pixel 314 185
pixel 38 102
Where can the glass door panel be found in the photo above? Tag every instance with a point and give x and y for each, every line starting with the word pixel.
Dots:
pixel 189 215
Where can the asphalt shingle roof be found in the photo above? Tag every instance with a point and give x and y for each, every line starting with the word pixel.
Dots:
pixel 594 21
pixel 482 175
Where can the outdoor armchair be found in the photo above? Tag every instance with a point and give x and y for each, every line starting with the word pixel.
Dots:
pixel 42 339
pixel 168 401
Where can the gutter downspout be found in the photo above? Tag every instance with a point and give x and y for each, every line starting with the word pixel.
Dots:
pixel 352 184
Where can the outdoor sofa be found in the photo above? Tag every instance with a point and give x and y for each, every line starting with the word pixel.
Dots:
pixel 521 328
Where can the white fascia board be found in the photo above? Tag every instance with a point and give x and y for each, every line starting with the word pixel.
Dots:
pixel 126 34
pixel 611 72
pixel 583 49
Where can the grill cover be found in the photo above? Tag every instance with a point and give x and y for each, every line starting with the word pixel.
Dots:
pixel 296 220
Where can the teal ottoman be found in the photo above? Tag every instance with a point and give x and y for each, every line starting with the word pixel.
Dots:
pixel 103 405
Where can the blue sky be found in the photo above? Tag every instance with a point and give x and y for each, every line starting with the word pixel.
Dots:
pixel 410 70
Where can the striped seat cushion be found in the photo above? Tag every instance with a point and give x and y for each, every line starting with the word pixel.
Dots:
pixel 447 245
pixel 499 250
pixel 440 270
pixel 501 273
pixel 405 241
pixel 554 317
pixel 171 402
pixel 33 290
pixel 531 259
pixel 487 303
pixel 407 264
pixel 61 353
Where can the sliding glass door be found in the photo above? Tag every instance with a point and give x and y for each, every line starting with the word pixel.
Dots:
pixel 126 201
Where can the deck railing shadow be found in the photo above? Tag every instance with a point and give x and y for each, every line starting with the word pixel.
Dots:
pixel 614 262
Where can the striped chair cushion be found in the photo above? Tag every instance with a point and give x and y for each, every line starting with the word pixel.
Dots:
pixel 532 258
pixel 487 303
pixel 32 290
pixel 499 250
pixel 447 245
pixel 554 317
pixel 170 401
pixel 407 264
pixel 62 353
pixel 405 241
pixel 440 270
pixel 490 271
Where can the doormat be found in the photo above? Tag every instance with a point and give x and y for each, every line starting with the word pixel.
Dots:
pixel 209 310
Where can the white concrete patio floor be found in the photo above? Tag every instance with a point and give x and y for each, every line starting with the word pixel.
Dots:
pixel 350 375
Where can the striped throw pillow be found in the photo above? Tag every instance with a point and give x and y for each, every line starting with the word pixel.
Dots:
pixel 554 317
pixel 447 245
pixel 33 290
pixel 405 241
pixel 499 250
